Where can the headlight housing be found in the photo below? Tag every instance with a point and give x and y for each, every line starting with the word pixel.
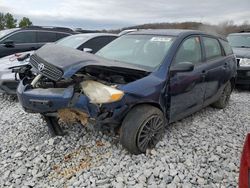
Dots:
pixel 99 93
pixel 244 62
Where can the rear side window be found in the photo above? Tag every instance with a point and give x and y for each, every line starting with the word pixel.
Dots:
pixel 22 37
pixel 212 48
pixel 97 43
pixel 61 35
pixel 189 51
pixel 227 48
pixel 44 37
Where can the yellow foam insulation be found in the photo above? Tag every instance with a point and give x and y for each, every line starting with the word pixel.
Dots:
pixel 71 116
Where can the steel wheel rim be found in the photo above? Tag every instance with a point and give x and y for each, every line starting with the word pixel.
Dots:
pixel 150 133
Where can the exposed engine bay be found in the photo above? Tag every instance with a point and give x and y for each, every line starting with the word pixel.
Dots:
pixel 105 75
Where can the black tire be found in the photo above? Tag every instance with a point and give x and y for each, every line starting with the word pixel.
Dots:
pixel 53 126
pixel 224 98
pixel 143 124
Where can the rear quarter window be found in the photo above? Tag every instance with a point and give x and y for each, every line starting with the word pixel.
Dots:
pixel 227 48
pixel 212 48
pixel 97 43
pixel 44 37
pixel 61 35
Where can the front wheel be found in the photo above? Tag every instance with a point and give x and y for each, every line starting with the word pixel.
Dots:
pixel 142 128
pixel 224 98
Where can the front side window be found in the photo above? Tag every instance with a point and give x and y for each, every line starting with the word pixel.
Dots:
pixel 239 41
pixel 5 32
pixel 147 51
pixel 212 48
pixel 189 51
pixel 22 37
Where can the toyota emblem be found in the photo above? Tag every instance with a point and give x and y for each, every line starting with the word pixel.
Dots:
pixel 40 67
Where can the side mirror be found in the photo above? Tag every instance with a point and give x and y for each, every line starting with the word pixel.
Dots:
pixel 9 43
pixel 182 67
pixel 89 50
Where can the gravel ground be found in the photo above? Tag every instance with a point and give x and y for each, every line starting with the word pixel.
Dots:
pixel 202 150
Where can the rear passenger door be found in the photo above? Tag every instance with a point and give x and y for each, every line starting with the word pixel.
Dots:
pixel 187 88
pixel 217 68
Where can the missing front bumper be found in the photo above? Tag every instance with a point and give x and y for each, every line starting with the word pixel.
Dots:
pixel 39 100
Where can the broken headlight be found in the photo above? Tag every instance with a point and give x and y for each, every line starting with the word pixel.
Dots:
pixel 244 62
pixel 99 93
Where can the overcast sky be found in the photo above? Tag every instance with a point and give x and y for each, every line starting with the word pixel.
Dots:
pixel 107 14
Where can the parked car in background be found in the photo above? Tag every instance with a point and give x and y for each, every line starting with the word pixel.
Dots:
pixel 241 48
pixel 91 42
pixel 135 85
pixel 29 38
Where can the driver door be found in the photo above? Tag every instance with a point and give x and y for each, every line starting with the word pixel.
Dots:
pixel 187 89
pixel 21 41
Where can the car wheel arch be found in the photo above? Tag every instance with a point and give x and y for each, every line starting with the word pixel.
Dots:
pixel 153 104
pixel 233 81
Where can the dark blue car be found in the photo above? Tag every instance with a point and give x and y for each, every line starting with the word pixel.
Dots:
pixel 135 86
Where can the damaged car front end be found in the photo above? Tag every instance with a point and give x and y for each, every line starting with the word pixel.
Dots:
pixel 75 86
pixel 97 88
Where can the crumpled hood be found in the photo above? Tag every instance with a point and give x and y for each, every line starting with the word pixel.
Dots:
pixel 71 60
pixel 242 52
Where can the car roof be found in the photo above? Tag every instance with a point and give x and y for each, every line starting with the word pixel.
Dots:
pixel 49 28
pixel 172 32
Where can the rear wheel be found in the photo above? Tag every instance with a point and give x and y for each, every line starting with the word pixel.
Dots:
pixel 224 98
pixel 142 128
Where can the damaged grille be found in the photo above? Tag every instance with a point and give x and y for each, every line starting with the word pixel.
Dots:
pixel 45 68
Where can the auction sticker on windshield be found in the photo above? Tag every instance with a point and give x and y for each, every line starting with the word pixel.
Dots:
pixel 161 39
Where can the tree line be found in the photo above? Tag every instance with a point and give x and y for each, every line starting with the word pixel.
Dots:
pixel 223 28
pixel 8 21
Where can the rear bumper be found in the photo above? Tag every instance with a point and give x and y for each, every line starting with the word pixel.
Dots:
pixel 243 76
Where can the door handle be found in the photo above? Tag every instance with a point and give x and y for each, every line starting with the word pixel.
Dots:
pixel 225 66
pixel 204 72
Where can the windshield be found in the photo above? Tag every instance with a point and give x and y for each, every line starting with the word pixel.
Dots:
pixel 73 41
pixel 142 50
pixel 240 41
pixel 6 32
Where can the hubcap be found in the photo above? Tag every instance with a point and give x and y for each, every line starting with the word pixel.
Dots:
pixel 150 133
